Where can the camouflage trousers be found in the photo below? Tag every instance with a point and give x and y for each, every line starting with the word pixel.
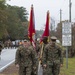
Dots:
pixel 34 71
pixel 52 69
pixel 25 70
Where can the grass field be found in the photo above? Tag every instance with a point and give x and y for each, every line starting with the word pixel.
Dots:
pixel 11 70
pixel 71 67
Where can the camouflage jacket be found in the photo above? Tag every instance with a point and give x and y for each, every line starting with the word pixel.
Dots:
pixel 25 56
pixel 52 54
pixel 37 47
pixel 1 47
pixel 42 48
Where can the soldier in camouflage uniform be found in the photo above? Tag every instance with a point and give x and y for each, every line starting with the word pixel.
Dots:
pixel 34 67
pixel 0 49
pixel 37 46
pixel 25 58
pixel 52 58
pixel 45 42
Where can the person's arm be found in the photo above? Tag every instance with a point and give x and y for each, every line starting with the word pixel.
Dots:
pixel 17 57
pixel 44 58
pixel 33 56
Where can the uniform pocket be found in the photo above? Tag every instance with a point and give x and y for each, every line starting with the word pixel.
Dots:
pixel 50 64
pixel 56 62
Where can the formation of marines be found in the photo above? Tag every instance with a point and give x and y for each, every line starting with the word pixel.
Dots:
pixel 49 54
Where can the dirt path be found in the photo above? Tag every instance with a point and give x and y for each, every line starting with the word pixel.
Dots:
pixel 11 70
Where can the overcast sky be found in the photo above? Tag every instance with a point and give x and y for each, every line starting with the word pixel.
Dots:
pixel 41 7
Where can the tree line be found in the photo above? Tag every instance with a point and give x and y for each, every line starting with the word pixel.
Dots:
pixel 13 21
pixel 14 25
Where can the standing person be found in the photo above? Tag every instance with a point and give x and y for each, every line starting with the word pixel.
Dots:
pixel 37 46
pixel 52 58
pixel 45 42
pixel 37 49
pixel 0 49
pixel 25 58
pixel 34 69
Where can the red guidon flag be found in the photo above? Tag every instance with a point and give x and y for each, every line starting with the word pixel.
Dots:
pixel 31 28
pixel 46 31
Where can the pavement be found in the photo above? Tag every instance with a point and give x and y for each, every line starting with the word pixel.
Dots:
pixel 7 58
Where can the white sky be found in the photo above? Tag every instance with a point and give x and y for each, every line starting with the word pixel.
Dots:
pixel 41 7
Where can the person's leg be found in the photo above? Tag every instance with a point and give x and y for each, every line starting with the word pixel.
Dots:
pixel 28 70
pixel 22 70
pixel 48 70
pixel 56 69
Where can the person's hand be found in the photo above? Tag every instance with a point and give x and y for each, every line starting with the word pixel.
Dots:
pixel 44 65
pixel 17 65
pixel 61 65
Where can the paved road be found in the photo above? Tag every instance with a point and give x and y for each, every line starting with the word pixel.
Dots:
pixel 7 58
pixel 40 71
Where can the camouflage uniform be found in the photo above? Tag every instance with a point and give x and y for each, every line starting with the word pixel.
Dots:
pixel 43 46
pixel 0 49
pixel 37 47
pixel 25 58
pixel 52 57
pixel 45 42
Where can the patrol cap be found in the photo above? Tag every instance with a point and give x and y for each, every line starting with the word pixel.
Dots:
pixel 53 38
pixel 25 40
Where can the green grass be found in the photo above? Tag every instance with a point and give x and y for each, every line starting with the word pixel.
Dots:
pixel 71 67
